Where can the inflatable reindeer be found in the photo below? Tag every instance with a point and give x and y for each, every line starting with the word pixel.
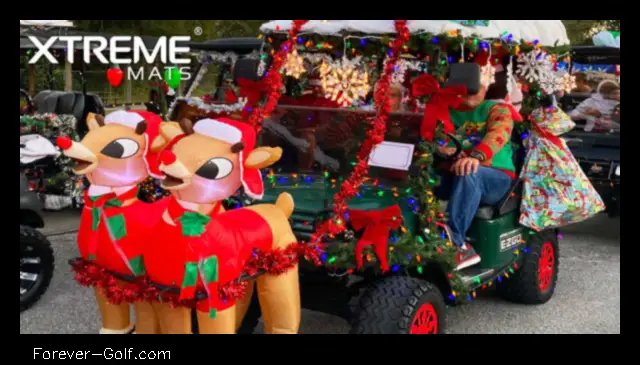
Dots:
pixel 116 155
pixel 198 246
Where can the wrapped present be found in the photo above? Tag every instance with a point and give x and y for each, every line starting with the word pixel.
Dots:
pixel 556 192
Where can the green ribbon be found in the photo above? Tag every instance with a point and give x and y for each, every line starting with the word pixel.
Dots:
pixel 190 274
pixel 97 211
pixel 193 223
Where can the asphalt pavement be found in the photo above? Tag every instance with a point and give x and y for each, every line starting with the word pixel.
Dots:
pixel 587 297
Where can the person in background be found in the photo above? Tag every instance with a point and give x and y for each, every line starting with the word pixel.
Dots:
pixel 153 105
pixel 582 85
pixel 599 108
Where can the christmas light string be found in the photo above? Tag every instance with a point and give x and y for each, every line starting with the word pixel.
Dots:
pixel 375 135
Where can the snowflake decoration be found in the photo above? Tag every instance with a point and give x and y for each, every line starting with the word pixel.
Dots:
pixel 536 66
pixel 488 74
pixel 401 68
pixel 342 82
pixel 510 79
pixel 295 65
pixel 567 82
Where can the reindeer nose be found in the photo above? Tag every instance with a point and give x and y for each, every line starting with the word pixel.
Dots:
pixel 168 157
pixel 64 142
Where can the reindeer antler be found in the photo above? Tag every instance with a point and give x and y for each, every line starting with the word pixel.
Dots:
pixel 99 118
pixel 141 127
pixel 186 125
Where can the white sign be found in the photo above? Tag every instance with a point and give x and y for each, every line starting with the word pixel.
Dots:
pixel 392 155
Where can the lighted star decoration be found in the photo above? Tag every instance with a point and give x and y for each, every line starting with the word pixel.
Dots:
pixel 344 83
pixel 295 65
pixel 488 74
pixel 567 82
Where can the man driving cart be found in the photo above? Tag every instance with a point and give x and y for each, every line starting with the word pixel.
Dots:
pixel 483 171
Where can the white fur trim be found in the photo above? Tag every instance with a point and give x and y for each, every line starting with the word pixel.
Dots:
pixel 107 331
pixel 125 118
pixel 218 130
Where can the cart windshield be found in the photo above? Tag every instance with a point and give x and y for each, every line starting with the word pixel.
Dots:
pixel 319 140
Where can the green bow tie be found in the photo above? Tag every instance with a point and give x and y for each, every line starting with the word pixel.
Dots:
pixel 193 223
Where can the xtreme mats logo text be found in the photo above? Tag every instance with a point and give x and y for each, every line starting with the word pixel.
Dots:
pixel 122 50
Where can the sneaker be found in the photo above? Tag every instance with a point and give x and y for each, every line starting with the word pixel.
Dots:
pixel 466 257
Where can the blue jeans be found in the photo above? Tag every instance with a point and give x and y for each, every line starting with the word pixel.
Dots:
pixel 466 193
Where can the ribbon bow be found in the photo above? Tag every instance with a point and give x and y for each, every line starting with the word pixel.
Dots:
pixel 193 223
pixel 438 106
pixel 377 225
pixel 252 90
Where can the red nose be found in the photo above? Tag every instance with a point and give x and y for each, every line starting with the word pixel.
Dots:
pixel 64 142
pixel 168 157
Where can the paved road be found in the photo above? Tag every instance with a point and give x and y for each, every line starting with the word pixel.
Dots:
pixel 587 298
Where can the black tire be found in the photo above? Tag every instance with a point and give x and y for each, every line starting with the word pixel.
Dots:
pixel 393 304
pixel 525 286
pixel 34 246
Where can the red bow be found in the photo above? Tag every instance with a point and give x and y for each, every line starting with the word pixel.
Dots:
pixel 252 90
pixel 376 224
pixel 438 106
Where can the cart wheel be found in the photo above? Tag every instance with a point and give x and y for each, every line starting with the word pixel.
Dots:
pixel 400 304
pixel 36 266
pixel 536 280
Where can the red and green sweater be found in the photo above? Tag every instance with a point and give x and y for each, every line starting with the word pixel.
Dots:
pixel 485 133
pixel 203 252
pixel 111 235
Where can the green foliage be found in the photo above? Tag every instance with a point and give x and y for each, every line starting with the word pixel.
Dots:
pixel 581 31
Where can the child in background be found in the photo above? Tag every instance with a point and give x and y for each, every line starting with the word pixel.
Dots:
pixel 598 109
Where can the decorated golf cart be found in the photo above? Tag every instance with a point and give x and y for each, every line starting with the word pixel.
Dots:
pixel 363 178
pixel 358 153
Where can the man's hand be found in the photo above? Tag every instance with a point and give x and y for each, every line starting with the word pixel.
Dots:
pixel 465 166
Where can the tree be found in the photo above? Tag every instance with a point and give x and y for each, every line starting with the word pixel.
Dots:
pixel 581 31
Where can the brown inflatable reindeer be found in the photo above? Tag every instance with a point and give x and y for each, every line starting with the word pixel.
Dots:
pixel 116 155
pixel 197 246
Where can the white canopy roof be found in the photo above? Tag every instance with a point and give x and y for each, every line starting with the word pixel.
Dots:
pixel 547 32
pixel 47 23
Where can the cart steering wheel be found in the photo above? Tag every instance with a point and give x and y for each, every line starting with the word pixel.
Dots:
pixel 456 154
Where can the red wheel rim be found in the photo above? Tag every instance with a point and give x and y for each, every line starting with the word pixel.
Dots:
pixel 425 322
pixel 545 266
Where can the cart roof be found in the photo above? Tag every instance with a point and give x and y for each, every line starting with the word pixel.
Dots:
pixel 238 45
pixel 547 32
pixel 46 23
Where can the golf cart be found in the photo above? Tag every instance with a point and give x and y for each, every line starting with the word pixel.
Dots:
pixel 597 150
pixel 320 146
pixel 36 254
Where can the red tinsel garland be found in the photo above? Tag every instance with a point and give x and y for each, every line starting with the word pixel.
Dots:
pixel 117 291
pixel 375 135
pixel 273 78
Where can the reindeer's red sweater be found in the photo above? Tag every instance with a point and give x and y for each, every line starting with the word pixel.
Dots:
pixel 114 241
pixel 231 237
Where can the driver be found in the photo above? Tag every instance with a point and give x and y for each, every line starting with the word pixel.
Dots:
pixel 484 172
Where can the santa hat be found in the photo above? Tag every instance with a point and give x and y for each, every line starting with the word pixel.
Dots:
pixel 131 118
pixel 232 132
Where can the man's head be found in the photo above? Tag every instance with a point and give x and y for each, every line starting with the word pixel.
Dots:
pixel 469 76
pixel 395 97
pixel 581 79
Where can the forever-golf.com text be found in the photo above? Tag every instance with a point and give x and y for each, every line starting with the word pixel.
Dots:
pixel 109 353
